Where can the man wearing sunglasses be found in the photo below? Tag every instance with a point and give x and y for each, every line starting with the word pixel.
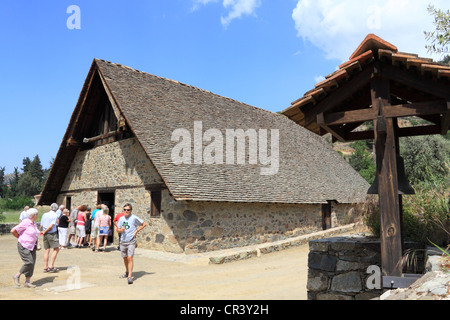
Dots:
pixel 128 226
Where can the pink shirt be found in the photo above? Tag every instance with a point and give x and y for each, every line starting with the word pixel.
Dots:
pixel 104 219
pixel 80 219
pixel 28 233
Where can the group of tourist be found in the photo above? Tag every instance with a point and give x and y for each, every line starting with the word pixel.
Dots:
pixel 88 229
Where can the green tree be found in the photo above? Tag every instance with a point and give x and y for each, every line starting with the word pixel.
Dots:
pixel 28 185
pixel 440 38
pixel 12 190
pixel 362 161
pixel 427 158
pixel 31 181
pixel 26 164
pixel 2 182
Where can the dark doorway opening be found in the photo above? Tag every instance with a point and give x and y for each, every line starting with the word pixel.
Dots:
pixel 69 203
pixel 108 198
pixel 326 216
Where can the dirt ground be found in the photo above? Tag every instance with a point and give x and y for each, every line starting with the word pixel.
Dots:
pixel 85 275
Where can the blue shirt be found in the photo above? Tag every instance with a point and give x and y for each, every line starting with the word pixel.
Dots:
pixel 48 219
pixel 131 224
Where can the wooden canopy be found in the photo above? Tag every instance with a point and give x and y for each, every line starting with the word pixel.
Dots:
pixel 381 85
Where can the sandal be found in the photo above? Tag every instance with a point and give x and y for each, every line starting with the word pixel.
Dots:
pixel 46 269
pixel 53 269
pixel 125 275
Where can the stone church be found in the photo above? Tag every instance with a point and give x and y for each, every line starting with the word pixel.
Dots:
pixel 205 172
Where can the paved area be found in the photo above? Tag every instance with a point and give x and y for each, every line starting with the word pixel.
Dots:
pixel 85 275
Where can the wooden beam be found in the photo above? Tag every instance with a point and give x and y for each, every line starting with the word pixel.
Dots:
pixel 402 110
pixel 344 117
pixel 345 92
pixel 402 132
pixel 385 146
pixel 417 82
pixel 335 131
pixel 101 137
pixel 446 120
pixel 73 142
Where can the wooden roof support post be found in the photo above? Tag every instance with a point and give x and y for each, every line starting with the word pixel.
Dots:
pixel 385 148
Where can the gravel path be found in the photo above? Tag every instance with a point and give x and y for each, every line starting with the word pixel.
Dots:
pixel 85 275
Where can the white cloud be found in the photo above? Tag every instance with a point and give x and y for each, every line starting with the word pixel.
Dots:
pixel 198 3
pixel 318 79
pixel 236 8
pixel 338 27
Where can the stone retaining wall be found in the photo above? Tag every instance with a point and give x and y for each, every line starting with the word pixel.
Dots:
pixel 5 228
pixel 338 268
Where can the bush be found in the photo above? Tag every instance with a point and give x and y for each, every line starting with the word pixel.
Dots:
pixel 370 212
pixel 427 158
pixel 426 215
pixel 16 203
pixel 362 161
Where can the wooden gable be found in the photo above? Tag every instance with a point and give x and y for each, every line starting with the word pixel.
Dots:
pixel 96 120
pixel 342 102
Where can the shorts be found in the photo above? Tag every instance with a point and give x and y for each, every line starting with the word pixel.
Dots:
pixel 127 248
pixel 104 231
pixel 81 231
pixel 94 232
pixel 51 240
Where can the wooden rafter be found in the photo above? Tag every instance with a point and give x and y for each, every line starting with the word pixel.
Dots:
pixel 345 92
pixel 362 115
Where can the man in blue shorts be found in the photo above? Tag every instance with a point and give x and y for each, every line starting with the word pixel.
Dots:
pixel 128 226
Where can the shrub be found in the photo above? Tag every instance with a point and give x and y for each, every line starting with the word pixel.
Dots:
pixel 427 158
pixel 426 215
pixel 16 203
pixel 429 209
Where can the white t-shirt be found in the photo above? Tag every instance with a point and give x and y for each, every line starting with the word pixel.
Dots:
pixel 131 224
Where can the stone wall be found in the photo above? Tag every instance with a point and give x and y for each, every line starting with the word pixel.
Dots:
pixel 207 226
pixel 338 268
pixel 5 228
pixel 185 226
pixel 118 164
pixel 193 227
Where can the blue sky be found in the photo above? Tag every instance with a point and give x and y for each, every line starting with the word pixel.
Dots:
pixel 266 53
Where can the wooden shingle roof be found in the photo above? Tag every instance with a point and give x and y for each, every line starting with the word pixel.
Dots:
pixel 310 171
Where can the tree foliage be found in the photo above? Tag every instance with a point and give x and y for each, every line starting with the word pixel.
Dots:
pixel 27 183
pixel 440 38
pixel 362 161
pixel 427 159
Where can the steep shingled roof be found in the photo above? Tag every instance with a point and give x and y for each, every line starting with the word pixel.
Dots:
pixel 310 171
